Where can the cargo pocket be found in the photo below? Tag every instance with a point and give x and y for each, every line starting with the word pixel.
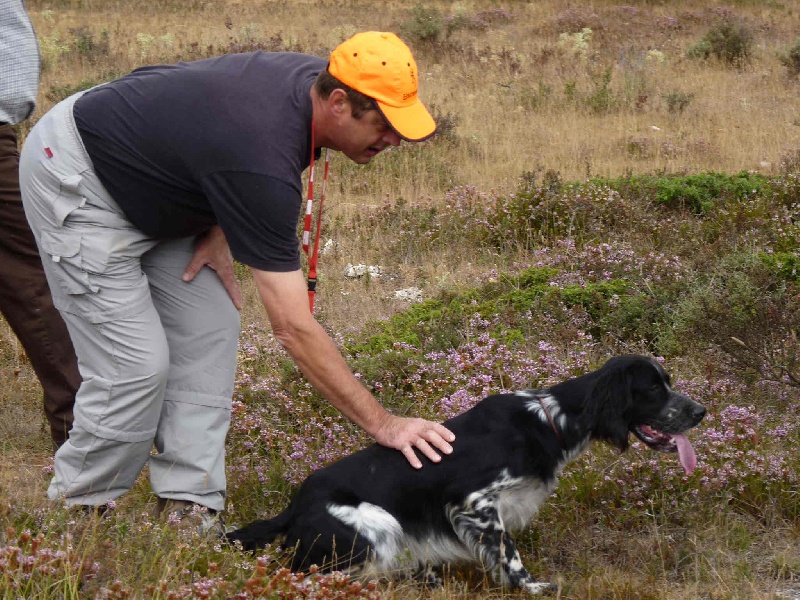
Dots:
pixel 63 247
pixel 77 258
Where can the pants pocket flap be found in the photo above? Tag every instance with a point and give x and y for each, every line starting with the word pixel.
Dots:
pixel 60 244
pixel 72 183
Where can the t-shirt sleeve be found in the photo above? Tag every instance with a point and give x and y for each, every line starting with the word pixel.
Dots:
pixel 259 216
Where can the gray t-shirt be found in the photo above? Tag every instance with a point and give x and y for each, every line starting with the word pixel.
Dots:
pixel 217 141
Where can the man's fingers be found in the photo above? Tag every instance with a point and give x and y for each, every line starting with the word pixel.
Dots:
pixel 428 450
pixel 236 295
pixel 444 432
pixel 226 276
pixel 191 271
pixel 408 435
pixel 232 287
pixel 440 436
pixel 428 442
pixel 411 457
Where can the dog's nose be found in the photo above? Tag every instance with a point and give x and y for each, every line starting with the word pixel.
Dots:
pixel 699 412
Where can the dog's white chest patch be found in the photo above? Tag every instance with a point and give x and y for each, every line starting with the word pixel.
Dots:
pixel 516 499
pixel 519 502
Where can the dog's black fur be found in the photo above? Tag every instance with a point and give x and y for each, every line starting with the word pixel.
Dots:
pixel 372 513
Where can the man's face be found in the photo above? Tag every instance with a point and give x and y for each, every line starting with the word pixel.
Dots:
pixel 361 139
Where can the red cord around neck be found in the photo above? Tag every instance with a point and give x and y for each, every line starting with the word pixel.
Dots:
pixel 314 254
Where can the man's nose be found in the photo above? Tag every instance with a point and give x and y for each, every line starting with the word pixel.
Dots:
pixel 392 138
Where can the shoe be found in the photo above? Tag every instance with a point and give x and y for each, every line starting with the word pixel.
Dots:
pixel 92 511
pixel 100 510
pixel 190 516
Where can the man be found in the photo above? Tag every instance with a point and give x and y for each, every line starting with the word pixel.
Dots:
pixel 25 300
pixel 190 163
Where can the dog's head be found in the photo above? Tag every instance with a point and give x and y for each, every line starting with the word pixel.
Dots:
pixel 633 395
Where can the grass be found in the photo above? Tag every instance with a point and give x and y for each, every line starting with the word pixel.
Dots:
pixel 591 194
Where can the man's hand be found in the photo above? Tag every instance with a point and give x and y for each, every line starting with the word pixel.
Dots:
pixel 212 250
pixel 405 434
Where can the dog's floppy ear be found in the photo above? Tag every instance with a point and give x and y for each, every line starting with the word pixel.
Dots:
pixel 608 404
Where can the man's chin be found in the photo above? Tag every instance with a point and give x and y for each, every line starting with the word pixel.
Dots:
pixel 362 159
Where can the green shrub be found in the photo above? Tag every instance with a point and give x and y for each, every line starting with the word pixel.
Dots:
pixel 602 99
pixel 730 42
pixel 700 193
pixel 785 265
pixel 791 60
pixel 580 210
pixel 699 50
pixel 87 45
pixel 439 324
pixel 51 49
pixel 677 101
pixel 426 24
pixel 747 307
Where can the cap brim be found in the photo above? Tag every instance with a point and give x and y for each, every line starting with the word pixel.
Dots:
pixel 413 123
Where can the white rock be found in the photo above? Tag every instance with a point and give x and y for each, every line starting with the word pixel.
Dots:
pixel 411 294
pixel 328 247
pixel 359 270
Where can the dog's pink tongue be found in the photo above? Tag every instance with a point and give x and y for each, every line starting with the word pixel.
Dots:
pixel 685 452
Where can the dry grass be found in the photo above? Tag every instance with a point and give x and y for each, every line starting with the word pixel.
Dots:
pixel 516 97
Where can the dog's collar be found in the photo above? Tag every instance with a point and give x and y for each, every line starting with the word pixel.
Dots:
pixel 552 422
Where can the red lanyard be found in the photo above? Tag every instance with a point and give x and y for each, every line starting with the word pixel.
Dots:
pixel 312 258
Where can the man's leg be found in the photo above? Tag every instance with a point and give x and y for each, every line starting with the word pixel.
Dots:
pixel 125 363
pixel 91 256
pixel 202 329
pixel 26 303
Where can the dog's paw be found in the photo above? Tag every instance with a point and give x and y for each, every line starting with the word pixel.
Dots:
pixel 428 576
pixel 241 541
pixel 539 588
pixel 252 537
pixel 231 538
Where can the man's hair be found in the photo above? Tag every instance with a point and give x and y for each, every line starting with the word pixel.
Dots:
pixel 359 103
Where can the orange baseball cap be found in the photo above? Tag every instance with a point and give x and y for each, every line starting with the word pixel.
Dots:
pixel 380 65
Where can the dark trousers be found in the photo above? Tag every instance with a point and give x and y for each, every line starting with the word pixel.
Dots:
pixel 25 300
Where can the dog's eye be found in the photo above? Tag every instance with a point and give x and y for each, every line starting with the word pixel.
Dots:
pixel 656 387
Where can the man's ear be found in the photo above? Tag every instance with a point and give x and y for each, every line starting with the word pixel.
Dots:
pixel 339 103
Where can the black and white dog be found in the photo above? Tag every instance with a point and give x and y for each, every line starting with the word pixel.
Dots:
pixel 371 513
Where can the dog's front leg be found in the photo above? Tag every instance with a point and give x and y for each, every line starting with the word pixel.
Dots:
pixel 514 574
pixel 481 530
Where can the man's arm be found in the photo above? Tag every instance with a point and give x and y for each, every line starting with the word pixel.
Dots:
pixel 285 298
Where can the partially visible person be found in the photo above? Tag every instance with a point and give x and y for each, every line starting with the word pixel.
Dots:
pixel 195 164
pixel 25 299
